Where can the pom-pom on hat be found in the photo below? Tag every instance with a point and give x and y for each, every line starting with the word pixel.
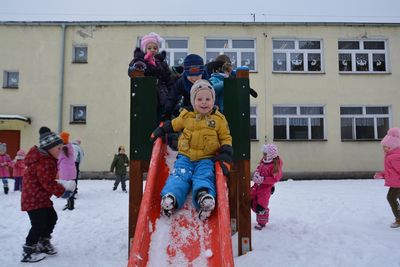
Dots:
pixel 271 150
pixel 198 86
pixel 193 65
pixel 392 138
pixel 150 38
pixel 48 139
pixel 65 137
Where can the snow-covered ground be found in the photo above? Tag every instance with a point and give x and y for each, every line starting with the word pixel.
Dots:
pixel 312 223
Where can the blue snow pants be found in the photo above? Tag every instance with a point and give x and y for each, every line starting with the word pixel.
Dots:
pixel 196 175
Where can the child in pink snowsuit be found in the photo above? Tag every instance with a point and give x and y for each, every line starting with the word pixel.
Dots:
pixel 268 172
pixel 5 163
pixel 391 173
pixel 18 166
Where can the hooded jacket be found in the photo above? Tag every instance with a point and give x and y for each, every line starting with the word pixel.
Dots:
pixel 391 172
pixel 39 182
pixel 5 162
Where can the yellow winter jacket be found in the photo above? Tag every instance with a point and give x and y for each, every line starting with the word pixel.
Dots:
pixel 202 135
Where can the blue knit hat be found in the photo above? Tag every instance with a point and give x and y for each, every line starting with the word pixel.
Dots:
pixel 193 65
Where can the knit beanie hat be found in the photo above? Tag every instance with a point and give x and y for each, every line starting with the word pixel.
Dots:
pixel 3 148
pixel 20 154
pixel 48 139
pixel 392 138
pixel 198 86
pixel 193 65
pixel 271 150
pixel 65 137
pixel 150 38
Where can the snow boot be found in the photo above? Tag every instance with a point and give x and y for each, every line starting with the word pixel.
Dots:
pixel 31 254
pixel 396 224
pixel 114 188
pixel 259 226
pixel 45 246
pixel 71 203
pixel 5 189
pixel 206 203
pixel 168 203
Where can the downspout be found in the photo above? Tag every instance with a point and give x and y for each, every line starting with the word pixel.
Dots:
pixel 61 99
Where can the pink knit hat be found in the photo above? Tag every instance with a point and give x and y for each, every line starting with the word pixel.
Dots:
pixel 392 138
pixel 150 38
pixel 271 150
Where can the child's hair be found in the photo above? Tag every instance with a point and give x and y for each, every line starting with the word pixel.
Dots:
pixel 65 150
pixel 276 162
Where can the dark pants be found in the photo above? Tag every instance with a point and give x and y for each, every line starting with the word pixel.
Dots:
pixel 120 178
pixel 42 222
pixel 392 197
pixel 77 176
pixel 17 183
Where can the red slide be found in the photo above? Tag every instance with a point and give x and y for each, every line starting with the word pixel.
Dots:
pixel 182 239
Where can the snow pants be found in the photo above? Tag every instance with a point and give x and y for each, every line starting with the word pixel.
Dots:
pixel 196 175
pixel 260 195
pixel 393 196
pixel 18 183
pixel 42 222
pixel 120 178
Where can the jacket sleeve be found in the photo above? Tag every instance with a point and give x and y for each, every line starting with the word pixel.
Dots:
pixel 179 122
pixel 113 164
pixel 395 165
pixel 173 96
pixel 46 174
pixel 218 85
pixel 272 178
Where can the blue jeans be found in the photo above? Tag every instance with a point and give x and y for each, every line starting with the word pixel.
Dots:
pixel 5 181
pixel 196 175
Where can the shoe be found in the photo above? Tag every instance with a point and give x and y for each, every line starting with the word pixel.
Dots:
pixel 6 190
pixel 124 191
pixel 31 254
pixel 396 224
pixel 206 203
pixel 259 226
pixel 45 246
pixel 114 188
pixel 168 203
pixel 71 203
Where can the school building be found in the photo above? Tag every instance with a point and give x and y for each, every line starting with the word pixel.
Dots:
pixel 327 92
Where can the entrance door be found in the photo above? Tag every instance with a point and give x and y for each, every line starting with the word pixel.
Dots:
pixel 12 139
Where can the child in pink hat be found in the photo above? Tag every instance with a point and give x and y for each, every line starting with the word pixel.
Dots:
pixel 268 172
pixel 19 167
pixel 391 173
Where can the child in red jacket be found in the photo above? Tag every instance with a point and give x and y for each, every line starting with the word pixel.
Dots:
pixel 268 172
pixel 39 185
pixel 18 166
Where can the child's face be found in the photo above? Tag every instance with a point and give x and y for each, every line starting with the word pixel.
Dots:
pixel 122 151
pixel 55 151
pixel 203 101
pixel 386 149
pixel 152 48
pixel 193 79
pixel 265 156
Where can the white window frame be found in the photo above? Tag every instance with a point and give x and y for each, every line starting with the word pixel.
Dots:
pixel 230 49
pixel 365 116
pixel 72 119
pixel 74 55
pixel 254 116
pixel 6 77
pixel 297 50
pixel 300 116
pixel 361 50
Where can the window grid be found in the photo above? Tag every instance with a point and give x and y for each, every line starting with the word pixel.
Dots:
pixel 239 56
pixel 362 60
pixel 309 118
pixel 175 55
pixel 253 123
pixel 296 59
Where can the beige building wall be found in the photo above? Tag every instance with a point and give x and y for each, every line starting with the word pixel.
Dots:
pixel 103 86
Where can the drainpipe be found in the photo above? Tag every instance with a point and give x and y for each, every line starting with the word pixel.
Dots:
pixel 61 99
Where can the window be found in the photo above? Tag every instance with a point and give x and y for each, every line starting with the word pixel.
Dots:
pixel 242 52
pixel 292 55
pixel 362 56
pixel 10 79
pixel 364 122
pixel 78 114
pixel 299 122
pixel 177 49
pixel 253 123
pixel 80 54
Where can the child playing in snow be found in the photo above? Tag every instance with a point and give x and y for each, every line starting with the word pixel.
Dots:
pixel 153 63
pixel 66 166
pixel 268 172
pixel 39 184
pixel 391 173
pixel 18 166
pixel 5 163
pixel 120 163
pixel 205 133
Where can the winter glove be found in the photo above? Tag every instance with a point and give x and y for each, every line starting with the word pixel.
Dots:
pixel 161 130
pixel 68 185
pixel 67 194
pixel 161 56
pixel 378 175
pixel 253 93
pixel 257 178
pixel 272 190
pixel 150 58
pixel 225 158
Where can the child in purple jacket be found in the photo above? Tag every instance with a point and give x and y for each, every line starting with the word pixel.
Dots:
pixel 66 166
pixel 391 173
pixel 268 172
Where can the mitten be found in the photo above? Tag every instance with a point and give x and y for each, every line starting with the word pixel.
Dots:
pixel 257 178
pixel 160 131
pixel 378 175
pixel 67 194
pixel 253 93
pixel 68 185
pixel 150 58
pixel 225 158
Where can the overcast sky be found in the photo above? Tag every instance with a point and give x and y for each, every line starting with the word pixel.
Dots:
pixel 202 10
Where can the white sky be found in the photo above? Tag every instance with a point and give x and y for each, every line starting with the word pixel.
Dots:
pixel 203 10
